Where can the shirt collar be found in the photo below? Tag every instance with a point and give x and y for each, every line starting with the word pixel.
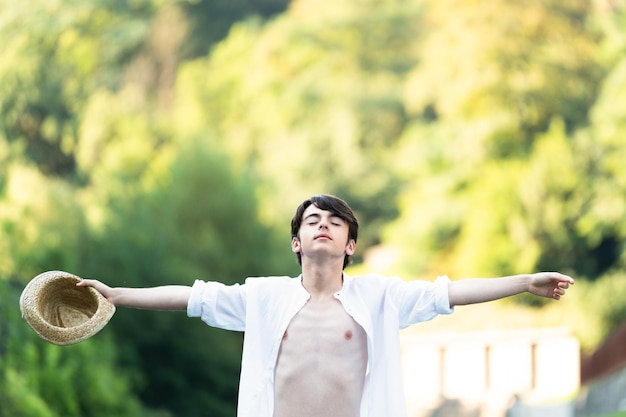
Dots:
pixel 347 282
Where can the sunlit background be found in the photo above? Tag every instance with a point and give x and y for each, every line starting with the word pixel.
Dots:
pixel 150 142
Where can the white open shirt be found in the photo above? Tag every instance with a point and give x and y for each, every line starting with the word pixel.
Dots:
pixel 263 308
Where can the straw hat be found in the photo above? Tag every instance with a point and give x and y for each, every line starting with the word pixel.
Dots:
pixel 62 313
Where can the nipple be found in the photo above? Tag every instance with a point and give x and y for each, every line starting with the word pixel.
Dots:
pixel 348 335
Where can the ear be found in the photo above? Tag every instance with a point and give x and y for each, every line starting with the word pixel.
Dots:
pixel 295 245
pixel 351 247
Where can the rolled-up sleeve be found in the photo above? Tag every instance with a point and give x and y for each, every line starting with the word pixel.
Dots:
pixel 423 300
pixel 442 300
pixel 218 305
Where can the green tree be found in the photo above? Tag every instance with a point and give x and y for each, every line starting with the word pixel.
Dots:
pixel 526 62
pixel 499 173
pixel 53 56
pixel 602 221
pixel 38 379
pixel 320 110
pixel 210 21
pixel 178 215
pixel 41 224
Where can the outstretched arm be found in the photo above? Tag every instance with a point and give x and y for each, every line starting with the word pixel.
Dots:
pixel 170 297
pixel 479 290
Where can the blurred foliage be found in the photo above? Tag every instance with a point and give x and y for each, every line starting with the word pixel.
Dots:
pixel 39 379
pixel 157 141
pixel 210 21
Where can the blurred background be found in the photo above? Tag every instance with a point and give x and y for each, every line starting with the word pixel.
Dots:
pixel 151 142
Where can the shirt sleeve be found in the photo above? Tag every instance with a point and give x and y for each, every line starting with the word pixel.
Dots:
pixel 420 301
pixel 218 305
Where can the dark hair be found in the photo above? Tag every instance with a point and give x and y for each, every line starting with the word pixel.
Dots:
pixel 330 203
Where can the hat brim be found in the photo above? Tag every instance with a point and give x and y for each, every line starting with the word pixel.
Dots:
pixel 62 313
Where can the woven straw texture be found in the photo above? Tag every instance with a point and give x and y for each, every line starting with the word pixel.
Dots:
pixel 62 313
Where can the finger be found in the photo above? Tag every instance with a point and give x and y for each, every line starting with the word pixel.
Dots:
pixel 86 283
pixel 562 277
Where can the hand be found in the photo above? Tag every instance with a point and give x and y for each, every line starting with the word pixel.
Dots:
pixel 103 289
pixel 549 284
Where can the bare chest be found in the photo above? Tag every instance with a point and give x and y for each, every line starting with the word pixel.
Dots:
pixel 321 364
pixel 323 326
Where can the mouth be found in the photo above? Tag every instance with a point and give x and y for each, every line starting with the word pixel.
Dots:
pixel 322 236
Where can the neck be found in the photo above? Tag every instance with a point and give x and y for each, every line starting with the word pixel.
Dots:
pixel 322 281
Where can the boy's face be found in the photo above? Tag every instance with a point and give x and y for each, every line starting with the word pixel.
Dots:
pixel 322 234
